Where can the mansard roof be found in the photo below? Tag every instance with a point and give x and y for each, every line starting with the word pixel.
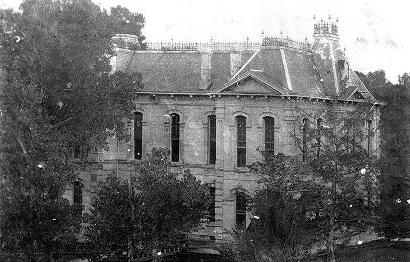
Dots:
pixel 285 69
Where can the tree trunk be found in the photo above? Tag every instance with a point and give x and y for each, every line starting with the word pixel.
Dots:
pixel 50 257
pixel 331 237
pixel 331 240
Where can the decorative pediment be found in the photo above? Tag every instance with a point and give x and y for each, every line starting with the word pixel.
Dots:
pixel 252 83
pixel 357 95
pixel 353 92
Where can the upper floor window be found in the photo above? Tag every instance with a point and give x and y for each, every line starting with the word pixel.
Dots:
pixel 211 139
pixel 241 203
pixel 175 137
pixel 369 136
pixel 269 134
pixel 319 123
pixel 241 141
pixel 138 135
pixel 304 138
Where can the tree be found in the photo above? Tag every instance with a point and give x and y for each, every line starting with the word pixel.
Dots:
pixel 327 193
pixel 395 143
pixel 164 207
pixel 59 101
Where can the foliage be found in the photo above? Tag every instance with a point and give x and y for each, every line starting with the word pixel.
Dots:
pixel 58 97
pixel 395 144
pixel 330 196
pixel 166 206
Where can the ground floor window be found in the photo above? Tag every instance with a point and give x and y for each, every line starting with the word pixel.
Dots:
pixel 241 203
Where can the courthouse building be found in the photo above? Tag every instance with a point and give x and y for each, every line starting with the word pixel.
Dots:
pixel 218 106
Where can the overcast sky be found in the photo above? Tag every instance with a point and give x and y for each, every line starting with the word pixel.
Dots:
pixel 374 32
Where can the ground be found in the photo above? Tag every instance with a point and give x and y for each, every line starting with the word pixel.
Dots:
pixel 375 251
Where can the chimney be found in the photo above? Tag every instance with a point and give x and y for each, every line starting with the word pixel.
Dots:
pixel 236 59
pixel 206 66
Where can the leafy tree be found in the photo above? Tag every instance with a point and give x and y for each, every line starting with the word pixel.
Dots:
pixel 164 206
pixel 59 101
pixel 330 196
pixel 395 143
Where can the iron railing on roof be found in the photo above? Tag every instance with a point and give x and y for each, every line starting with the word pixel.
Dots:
pixel 201 46
pixel 286 42
pixel 128 42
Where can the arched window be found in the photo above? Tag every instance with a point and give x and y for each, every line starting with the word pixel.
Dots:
pixel 138 135
pixel 319 123
pixel 175 137
pixel 304 138
pixel 241 141
pixel 211 139
pixel 269 134
pixel 78 197
pixel 369 136
pixel 241 203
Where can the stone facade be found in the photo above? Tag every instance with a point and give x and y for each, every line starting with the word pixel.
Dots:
pixel 268 81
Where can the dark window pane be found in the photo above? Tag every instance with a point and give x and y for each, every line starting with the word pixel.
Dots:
pixel 304 139
pixel 174 137
pixel 212 139
pixel 241 155
pixel 211 209
pixel 240 221
pixel 241 140
pixel 319 126
pixel 241 203
pixel 369 136
pixel 138 135
pixel 269 134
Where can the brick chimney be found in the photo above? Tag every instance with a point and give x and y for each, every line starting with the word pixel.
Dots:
pixel 206 66
pixel 236 59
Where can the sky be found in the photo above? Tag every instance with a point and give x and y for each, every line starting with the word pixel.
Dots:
pixel 373 32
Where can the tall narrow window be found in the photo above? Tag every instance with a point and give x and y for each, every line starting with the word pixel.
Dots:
pixel 211 209
pixel 241 210
pixel 319 127
pixel 241 141
pixel 138 135
pixel 212 139
pixel 369 136
pixel 174 137
pixel 304 138
pixel 269 134
pixel 78 197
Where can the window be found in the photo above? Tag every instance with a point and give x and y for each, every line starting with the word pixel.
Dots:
pixel 241 210
pixel 211 209
pixel 211 139
pixel 175 137
pixel 241 141
pixel 319 127
pixel 78 197
pixel 369 136
pixel 269 134
pixel 138 135
pixel 304 138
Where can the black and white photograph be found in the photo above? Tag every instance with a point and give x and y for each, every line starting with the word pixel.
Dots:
pixel 204 131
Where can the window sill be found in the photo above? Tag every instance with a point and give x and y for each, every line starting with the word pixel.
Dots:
pixel 177 163
pixel 242 170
